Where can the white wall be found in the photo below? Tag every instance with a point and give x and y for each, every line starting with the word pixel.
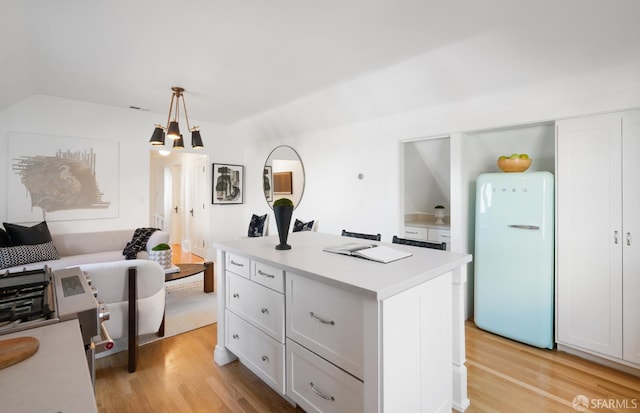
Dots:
pixel 48 115
pixel 532 72
pixel 526 87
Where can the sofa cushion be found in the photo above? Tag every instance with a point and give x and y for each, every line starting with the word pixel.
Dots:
pixel 4 239
pixel 20 235
pixel 26 254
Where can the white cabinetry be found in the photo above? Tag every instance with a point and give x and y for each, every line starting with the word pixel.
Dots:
pixel 254 317
pixel 598 264
pixel 359 336
pixel 427 233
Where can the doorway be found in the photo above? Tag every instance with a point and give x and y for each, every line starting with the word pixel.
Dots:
pixel 179 187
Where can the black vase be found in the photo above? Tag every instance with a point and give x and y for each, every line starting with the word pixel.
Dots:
pixel 283 220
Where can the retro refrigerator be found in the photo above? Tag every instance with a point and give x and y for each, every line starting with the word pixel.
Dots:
pixel 514 256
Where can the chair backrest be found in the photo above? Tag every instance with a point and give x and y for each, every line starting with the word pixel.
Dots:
pixel 423 244
pixel 376 237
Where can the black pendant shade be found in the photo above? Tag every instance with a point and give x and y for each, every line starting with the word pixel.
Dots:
pixel 157 139
pixel 178 143
pixel 173 129
pixel 196 140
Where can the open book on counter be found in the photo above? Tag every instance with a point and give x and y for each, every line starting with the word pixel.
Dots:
pixel 374 252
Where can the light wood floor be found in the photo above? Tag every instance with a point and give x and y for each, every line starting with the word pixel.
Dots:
pixel 178 374
pixel 178 256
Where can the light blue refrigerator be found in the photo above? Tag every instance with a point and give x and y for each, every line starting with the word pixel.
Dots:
pixel 514 256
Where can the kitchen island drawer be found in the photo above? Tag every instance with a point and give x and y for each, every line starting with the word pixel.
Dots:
pixel 259 352
pixel 259 305
pixel 238 265
pixel 319 386
pixel 328 321
pixel 267 275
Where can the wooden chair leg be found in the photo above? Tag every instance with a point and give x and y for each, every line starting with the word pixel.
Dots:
pixel 209 284
pixel 160 332
pixel 133 320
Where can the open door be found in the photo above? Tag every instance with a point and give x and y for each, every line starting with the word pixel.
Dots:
pixel 177 204
pixel 197 218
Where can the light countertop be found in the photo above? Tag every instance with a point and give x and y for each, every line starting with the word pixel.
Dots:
pixel 369 278
pixel 55 379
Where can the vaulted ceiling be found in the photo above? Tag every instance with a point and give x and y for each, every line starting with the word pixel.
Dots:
pixel 235 58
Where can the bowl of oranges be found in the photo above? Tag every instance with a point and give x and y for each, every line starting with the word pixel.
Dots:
pixel 517 162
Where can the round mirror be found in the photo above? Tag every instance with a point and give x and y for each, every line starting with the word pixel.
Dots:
pixel 283 175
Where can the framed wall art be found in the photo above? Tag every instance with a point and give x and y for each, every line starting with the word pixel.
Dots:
pixel 61 178
pixel 227 184
pixel 267 183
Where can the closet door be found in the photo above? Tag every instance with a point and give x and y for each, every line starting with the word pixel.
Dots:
pixel 631 229
pixel 589 234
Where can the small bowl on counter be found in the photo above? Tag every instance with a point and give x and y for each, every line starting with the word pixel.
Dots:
pixel 514 164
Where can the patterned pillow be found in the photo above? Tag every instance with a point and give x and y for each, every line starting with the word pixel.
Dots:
pixel 26 254
pixel 302 226
pixel 256 226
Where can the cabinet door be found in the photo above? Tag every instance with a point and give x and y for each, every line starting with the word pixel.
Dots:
pixel 631 242
pixel 589 231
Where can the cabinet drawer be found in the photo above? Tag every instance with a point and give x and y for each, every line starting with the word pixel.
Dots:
pixel 327 321
pixel 319 386
pixel 417 233
pixel 259 352
pixel 238 265
pixel 262 307
pixel 268 276
pixel 440 235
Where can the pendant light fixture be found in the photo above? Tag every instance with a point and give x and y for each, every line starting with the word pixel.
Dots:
pixel 172 128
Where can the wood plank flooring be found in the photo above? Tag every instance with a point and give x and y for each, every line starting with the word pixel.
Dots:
pixel 178 374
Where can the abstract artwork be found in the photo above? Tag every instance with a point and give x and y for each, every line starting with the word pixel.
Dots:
pixel 59 178
pixel 228 184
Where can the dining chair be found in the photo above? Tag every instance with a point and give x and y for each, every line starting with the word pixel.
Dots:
pixel 423 244
pixel 376 237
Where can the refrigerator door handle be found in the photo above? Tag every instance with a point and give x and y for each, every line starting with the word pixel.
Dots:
pixel 534 227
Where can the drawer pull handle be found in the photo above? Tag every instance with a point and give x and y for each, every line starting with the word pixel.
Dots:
pixel 265 311
pixel 265 359
pixel 321 320
pixel 628 238
pixel 236 263
pixel 266 274
pixel 236 295
pixel 235 336
pixel 324 396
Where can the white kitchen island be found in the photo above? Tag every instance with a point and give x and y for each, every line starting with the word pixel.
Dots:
pixel 335 333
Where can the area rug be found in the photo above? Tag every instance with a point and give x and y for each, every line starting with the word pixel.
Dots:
pixel 188 307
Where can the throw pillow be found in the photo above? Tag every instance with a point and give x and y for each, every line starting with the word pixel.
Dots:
pixel 19 235
pixel 4 239
pixel 302 226
pixel 27 254
pixel 256 226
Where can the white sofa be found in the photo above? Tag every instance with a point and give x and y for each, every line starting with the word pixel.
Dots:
pixel 92 247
